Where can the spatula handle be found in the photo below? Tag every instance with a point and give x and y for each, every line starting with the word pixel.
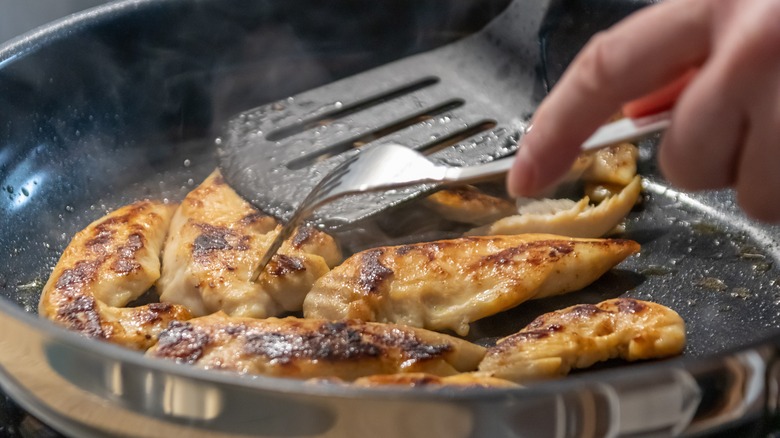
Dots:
pixel 625 129
pixel 479 172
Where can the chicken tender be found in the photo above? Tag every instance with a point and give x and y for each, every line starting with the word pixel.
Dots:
pixel 566 217
pixel 579 336
pixel 447 284
pixel 107 265
pixel 613 165
pixel 216 241
pixel 313 348
pixel 469 205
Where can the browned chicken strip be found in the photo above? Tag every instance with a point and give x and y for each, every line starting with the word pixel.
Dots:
pixel 216 241
pixel 108 264
pixel 469 205
pixel 566 217
pixel 448 284
pixel 579 336
pixel 463 380
pixel 613 165
pixel 312 348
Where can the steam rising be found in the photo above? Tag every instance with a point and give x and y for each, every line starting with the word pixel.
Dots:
pixel 107 110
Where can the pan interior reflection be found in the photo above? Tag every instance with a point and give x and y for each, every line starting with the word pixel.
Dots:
pixel 22 193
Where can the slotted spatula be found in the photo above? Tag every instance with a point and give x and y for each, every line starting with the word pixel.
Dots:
pixel 462 104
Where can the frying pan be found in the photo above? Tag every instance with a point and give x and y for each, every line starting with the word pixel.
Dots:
pixel 125 101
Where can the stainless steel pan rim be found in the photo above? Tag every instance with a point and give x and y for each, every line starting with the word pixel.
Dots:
pixel 740 374
pixel 735 380
pixel 47 33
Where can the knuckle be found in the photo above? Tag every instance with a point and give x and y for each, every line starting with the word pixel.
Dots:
pixel 764 35
pixel 762 24
pixel 750 32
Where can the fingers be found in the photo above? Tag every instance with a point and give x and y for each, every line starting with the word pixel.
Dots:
pixel 758 172
pixel 638 55
pixel 726 123
pixel 700 149
pixel 726 127
pixel 758 180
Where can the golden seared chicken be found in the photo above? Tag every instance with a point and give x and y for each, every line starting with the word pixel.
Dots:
pixel 566 217
pixel 216 241
pixel 579 336
pixel 613 165
pixel 107 265
pixel 449 283
pixel 463 380
pixel 313 348
pixel 469 205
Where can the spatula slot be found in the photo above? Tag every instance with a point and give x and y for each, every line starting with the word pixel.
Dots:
pixel 456 137
pixel 368 137
pixel 352 108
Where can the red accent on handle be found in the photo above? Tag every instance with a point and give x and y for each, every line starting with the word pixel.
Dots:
pixel 659 100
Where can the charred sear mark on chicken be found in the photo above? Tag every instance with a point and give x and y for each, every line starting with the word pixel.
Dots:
pixel 108 264
pixel 213 239
pixel 182 342
pixel 450 283
pixel 372 272
pixel 281 265
pixel 581 335
pixel 333 341
pixel 311 348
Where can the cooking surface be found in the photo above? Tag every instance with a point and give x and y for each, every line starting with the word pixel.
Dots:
pixel 16 18
pixel 77 151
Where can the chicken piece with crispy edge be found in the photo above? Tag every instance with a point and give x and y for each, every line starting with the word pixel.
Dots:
pixel 613 165
pixel 447 284
pixel 215 243
pixel 468 204
pixel 566 217
pixel 313 348
pixel 581 335
pixel 113 261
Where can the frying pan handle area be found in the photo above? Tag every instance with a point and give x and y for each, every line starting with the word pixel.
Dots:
pixel 772 386
pixel 712 396
pixel 716 395
pixel 662 406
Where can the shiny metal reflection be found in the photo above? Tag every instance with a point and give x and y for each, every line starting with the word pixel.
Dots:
pixel 183 398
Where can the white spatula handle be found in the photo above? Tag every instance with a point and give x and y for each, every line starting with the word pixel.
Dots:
pixel 625 129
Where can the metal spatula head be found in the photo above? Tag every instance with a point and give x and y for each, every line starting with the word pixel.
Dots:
pixel 462 104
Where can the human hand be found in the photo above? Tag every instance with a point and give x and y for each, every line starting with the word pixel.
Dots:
pixel 725 129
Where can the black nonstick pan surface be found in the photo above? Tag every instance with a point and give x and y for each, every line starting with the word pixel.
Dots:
pixel 125 102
